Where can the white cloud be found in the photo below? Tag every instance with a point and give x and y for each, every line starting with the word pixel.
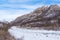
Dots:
pixel 13 13
pixel 25 6
pixel 10 15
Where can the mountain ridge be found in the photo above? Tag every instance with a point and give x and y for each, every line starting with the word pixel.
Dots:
pixel 44 16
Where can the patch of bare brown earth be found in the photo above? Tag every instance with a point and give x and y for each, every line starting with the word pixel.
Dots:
pixel 46 17
pixel 4 34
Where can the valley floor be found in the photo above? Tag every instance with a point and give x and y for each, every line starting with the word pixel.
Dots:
pixel 29 34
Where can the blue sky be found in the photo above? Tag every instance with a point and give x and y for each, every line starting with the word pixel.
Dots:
pixel 10 9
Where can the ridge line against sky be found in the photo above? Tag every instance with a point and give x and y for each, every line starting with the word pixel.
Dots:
pixel 16 8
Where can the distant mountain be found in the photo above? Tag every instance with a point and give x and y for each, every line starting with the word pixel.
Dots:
pixel 47 17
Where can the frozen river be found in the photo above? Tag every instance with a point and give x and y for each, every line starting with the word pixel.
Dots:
pixel 29 34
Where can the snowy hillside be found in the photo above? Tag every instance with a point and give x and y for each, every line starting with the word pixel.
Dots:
pixel 29 34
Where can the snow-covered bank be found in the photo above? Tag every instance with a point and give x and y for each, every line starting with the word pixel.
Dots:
pixel 28 34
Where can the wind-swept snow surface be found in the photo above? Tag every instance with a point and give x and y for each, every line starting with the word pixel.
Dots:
pixel 29 34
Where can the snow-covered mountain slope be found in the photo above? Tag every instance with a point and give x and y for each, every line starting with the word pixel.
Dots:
pixel 29 34
pixel 46 17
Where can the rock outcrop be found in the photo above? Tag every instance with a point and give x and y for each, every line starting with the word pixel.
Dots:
pixel 47 17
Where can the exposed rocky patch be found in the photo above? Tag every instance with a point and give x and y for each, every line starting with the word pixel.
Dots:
pixel 47 17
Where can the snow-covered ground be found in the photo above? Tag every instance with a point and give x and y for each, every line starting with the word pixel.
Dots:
pixel 29 34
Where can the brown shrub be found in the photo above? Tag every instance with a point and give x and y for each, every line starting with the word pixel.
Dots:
pixel 4 35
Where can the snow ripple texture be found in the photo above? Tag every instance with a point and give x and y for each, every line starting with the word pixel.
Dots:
pixel 29 34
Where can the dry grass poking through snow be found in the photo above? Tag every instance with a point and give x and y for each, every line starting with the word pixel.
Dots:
pixel 4 35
